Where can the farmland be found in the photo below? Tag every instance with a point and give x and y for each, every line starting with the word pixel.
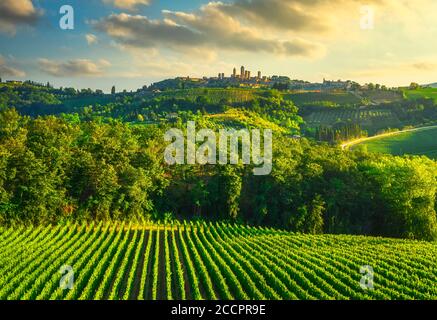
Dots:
pixel 87 101
pixel 230 95
pixel 320 98
pixel 382 96
pixel 430 93
pixel 421 142
pixel 208 261
pixel 371 120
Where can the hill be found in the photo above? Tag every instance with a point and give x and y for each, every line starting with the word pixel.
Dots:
pixel 420 142
pixel 432 85
pixel 210 261
pixel 324 99
pixel 429 93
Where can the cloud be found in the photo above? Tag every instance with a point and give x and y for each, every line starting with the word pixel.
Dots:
pixel 127 4
pixel 9 71
pixel 104 63
pixel 73 68
pixel 16 12
pixel 157 65
pixel 209 28
pixel 395 72
pixel 277 14
pixel 425 66
pixel 409 67
pixel 91 38
pixel 287 28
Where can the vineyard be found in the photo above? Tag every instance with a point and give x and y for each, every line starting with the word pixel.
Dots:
pixel 371 120
pixel 213 95
pixel 316 98
pixel 208 261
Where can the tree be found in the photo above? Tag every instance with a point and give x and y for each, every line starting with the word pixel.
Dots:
pixel 113 90
pixel 309 218
pixel 414 86
pixel 405 190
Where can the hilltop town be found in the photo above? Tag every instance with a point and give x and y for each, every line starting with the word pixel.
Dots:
pixel 247 79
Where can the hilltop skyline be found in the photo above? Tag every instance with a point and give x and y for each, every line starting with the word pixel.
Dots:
pixel 129 43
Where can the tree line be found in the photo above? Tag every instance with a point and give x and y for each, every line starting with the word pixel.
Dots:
pixel 52 169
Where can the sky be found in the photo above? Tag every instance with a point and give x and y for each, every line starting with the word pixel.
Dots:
pixel 131 43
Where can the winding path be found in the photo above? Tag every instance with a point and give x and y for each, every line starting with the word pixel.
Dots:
pixel 348 145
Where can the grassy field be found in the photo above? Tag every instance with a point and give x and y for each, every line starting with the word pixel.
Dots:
pixel 430 93
pixel 422 142
pixel 209 261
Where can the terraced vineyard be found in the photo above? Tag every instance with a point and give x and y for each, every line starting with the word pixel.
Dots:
pixel 330 117
pixel 214 95
pixel 371 120
pixel 315 98
pixel 209 261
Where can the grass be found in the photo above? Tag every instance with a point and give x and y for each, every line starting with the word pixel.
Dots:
pixel 430 93
pixel 423 142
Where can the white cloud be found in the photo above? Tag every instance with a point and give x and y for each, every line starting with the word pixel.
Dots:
pixel 17 12
pixel 73 68
pixel 91 38
pixel 397 72
pixel 210 29
pixel 9 71
pixel 127 4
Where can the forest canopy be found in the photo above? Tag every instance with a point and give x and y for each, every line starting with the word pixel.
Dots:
pixel 53 169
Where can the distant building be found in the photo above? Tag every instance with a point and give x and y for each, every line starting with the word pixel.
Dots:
pixel 259 74
pixel 234 73
pixel 243 73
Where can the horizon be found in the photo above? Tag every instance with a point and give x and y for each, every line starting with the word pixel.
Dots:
pixel 139 42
